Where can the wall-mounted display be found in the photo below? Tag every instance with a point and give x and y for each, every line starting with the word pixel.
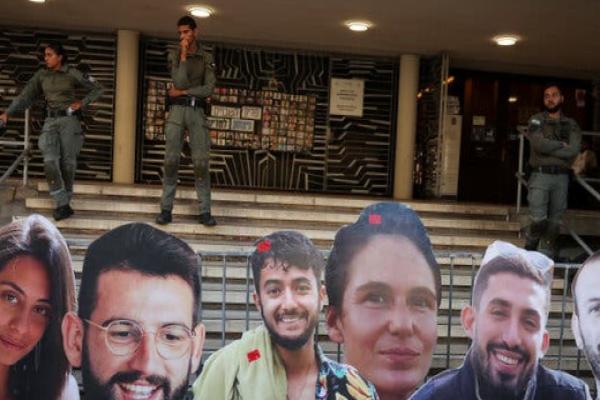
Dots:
pixel 155 113
pixel 274 120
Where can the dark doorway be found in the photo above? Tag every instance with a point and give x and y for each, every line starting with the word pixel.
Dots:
pixel 493 105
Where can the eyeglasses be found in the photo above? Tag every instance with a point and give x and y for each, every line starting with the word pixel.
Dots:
pixel 500 248
pixel 123 337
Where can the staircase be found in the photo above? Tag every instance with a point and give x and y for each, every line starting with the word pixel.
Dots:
pixel 245 216
pixel 459 233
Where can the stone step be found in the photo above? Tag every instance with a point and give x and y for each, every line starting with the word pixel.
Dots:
pixel 258 213
pixel 235 233
pixel 281 198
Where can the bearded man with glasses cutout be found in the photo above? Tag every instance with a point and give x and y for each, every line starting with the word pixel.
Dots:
pixel 136 334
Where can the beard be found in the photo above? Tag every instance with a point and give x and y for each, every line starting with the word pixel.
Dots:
pixel 97 390
pixel 593 357
pixel 499 387
pixel 554 109
pixel 292 343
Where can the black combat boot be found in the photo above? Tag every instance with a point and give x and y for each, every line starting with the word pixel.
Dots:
pixel 164 217
pixel 207 220
pixel 62 212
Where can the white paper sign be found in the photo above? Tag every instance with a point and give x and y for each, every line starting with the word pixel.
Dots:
pixel 346 97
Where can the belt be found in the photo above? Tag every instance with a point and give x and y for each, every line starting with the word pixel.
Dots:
pixel 56 113
pixel 551 169
pixel 61 113
pixel 188 101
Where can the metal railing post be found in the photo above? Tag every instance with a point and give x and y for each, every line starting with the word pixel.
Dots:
pixel 26 146
pixel 24 156
pixel 520 172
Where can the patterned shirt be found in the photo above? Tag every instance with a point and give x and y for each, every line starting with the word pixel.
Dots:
pixel 340 381
pixel 251 369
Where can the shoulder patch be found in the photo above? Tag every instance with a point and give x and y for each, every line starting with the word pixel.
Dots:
pixel 535 121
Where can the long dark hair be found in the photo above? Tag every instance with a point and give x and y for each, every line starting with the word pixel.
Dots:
pixel 41 375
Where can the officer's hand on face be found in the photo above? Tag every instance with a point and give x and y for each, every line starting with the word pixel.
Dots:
pixel 76 105
pixel 184 44
pixel 174 92
pixel 4 117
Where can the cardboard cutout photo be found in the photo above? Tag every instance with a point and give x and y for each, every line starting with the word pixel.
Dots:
pixel 280 359
pixel 384 290
pixel 136 334
pixel 506 322
pixel 586 313
pixel 36 290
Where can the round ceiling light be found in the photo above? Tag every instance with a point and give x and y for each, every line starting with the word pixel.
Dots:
pixel 358 26
pixel 201 11
pixel 506 40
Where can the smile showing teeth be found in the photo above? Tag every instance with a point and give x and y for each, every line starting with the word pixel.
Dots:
pixel 138 391
pixel 507 360
pixel 289 318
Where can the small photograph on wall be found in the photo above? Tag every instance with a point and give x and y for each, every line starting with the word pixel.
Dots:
pixel 243 125
pixel 218 123
pixel 249 112
pixel 225 111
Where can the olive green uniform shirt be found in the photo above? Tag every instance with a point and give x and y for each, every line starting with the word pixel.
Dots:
pixel 548 136
pixel 58 87
pixel 196 74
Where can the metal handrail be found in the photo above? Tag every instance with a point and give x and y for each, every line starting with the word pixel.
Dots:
pixel 220 313
pixel 521 181
pixel 584 182
pixel 23 156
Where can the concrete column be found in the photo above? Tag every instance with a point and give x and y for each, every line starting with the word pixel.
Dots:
pixel 126 97
pixel 406 127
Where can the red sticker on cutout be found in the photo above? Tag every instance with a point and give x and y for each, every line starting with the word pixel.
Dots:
pixel 374 219
pixel 263 246
pixel 253 355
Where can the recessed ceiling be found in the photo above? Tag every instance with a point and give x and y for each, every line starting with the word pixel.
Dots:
pixel 558 37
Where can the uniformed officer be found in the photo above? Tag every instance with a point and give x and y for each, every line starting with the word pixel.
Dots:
pixel 61 138
pixel 193 77
pixel 555 141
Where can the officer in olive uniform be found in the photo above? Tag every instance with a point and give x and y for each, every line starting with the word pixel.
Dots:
pixel 193 76
pixel 555 141
pixel 61 138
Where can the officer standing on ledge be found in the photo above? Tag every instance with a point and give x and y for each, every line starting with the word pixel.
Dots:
pixel 61 139
pixel 555 141
pixel 193 76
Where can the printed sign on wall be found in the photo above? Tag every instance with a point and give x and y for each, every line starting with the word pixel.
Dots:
pixel 347 97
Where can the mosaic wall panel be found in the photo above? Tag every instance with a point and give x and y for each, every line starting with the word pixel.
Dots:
pixel 353 157
pixel 427 167
pixel 21 55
